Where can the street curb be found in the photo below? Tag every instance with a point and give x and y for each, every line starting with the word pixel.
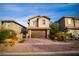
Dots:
pixel 41 53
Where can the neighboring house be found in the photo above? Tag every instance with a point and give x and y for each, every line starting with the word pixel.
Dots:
pixel 13 25
pixel 38 27
pixel 69 24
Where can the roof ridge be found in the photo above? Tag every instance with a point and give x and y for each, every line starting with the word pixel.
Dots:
pixel 39 16
pixel 13 21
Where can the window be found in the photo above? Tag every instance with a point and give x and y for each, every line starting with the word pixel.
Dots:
pixel 7 25
pixel 69 21
pixel 77 21
pixel 35 23
pixel 43 22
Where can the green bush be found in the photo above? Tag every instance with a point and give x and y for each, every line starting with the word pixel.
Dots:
pixel 7 34
pixel 52 33
pixel 4 34
pixel 54 28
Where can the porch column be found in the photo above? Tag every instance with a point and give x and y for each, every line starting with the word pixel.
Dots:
pixel 47 34
pixel 30 33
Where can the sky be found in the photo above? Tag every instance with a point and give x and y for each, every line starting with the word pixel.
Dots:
pixel 21 12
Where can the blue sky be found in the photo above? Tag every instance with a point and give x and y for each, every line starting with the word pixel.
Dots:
pixel 21 12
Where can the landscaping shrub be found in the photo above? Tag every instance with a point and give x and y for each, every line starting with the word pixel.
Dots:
pixel 57 34
pixel 7 37
pixel 53 29
pixel 61 36
pixel 52 33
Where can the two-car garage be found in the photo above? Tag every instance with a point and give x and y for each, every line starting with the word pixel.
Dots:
pixel 38 33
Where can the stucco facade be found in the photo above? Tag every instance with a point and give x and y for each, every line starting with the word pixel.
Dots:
pixel 40 21
pixel 71 24
pixel 38 27
pixel 12 25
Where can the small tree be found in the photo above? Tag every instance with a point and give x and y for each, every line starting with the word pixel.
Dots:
pixel 54 29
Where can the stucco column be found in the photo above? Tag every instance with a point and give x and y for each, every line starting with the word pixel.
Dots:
pixel 47 34
pixel 29 33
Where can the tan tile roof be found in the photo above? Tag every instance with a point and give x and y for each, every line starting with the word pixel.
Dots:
pixel 13 21
pixel 39 17
pixel 68 17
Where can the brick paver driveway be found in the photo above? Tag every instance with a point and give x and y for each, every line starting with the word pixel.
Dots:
pixel 43 45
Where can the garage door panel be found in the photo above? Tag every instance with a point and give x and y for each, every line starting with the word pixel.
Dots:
pixel 38 34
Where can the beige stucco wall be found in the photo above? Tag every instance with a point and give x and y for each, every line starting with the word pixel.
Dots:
pixel 41 27
pixel 40 22
pixel 62 24
pixel 31 22
pixel 69 25
pixel 72 23
pixel 15 27
pixel 76 23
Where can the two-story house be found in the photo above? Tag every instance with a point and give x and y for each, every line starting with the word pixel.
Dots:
pixel 15 26
pixel 38 27
pixel 69 24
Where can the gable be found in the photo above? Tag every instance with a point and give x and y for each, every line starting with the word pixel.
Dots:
pixel 38 18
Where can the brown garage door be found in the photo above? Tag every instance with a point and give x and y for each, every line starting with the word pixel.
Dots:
pixel 38 33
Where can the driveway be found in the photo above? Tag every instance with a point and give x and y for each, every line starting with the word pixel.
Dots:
pixel 43 45
pixel 44 41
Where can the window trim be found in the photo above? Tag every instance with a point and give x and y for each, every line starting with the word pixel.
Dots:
pixel 44 22
pixel 35 23
pixel 69 21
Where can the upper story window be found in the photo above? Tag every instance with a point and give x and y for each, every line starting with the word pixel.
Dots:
pixel 35 23
pixel 7 24
pixel 77 21
pixel 43 22
pixel 69 21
